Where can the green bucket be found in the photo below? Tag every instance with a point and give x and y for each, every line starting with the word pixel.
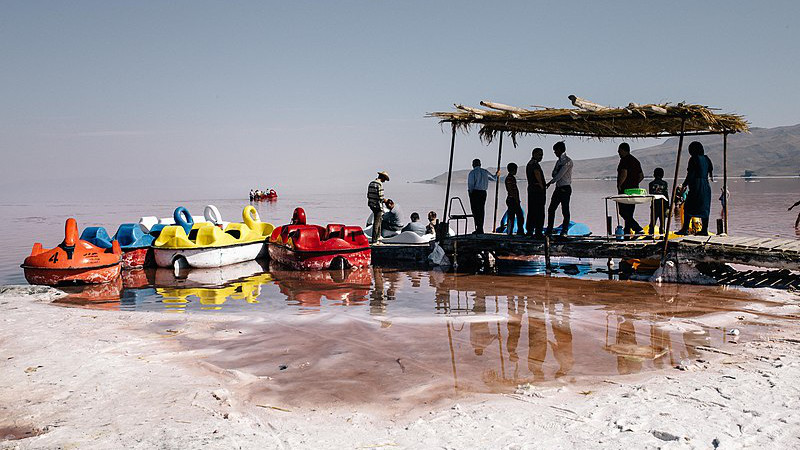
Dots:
pixel 635 191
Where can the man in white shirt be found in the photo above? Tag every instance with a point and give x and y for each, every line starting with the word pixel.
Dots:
pixel 562 178
pixel 477 184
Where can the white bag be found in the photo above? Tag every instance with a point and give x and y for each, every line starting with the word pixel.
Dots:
pixel 438 257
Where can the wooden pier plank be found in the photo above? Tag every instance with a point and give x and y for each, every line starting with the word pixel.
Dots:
pixel 759 251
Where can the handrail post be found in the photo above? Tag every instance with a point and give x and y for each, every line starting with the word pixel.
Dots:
pixel 674 192
pixel 449 173
pixel 497 182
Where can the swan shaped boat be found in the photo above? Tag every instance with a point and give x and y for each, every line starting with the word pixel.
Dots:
pixel 74 261
pixel 133 240
pixel 205 245
pixel 312 247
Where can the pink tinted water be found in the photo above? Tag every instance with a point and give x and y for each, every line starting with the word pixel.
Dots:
pixel 756 209
pixel 404 337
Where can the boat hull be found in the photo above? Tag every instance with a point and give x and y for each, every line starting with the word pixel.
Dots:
pixel 83 275
pixel 135 258
pixel 208 257
pixel 319 260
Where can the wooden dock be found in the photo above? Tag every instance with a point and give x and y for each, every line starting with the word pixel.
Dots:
pixel 471 250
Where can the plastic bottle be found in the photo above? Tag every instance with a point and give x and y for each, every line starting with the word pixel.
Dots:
pixel 619 232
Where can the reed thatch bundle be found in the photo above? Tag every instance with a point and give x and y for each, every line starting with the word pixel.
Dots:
pixel 594 121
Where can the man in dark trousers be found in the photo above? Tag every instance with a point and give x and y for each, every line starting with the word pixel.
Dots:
pixel 537 194
pixel 629 175
pixel 562 178
pixel 375 201
pixel 513 202
pixel 477 184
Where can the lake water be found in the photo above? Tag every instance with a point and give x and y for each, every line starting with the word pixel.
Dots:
pixel 756 209
pixel 447 332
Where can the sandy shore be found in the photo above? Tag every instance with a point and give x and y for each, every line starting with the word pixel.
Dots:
pixel 76 378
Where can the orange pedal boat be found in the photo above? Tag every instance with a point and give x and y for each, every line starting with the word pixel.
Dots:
pixel 74 261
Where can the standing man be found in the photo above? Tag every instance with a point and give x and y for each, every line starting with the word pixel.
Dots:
pixel 537 194
pixel 562 178
pixel 375 202
pixel 477 184
pixel 513 202
pixel 629 174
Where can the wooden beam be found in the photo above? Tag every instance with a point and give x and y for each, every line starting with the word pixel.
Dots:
pixel 674 192
pixel 449 174
pixel 586 104
pixel 505 108
pixel 497 182
pixel 725 181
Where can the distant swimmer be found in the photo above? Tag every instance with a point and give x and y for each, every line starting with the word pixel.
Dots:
pixel 796 222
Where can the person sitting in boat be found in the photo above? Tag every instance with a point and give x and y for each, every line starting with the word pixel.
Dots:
pixel 433 222
pixel 391 220
pixel 415 225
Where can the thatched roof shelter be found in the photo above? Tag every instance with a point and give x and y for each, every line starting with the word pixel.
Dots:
pixel 591 120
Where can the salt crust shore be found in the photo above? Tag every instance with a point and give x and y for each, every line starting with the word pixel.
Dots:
pixel 104 379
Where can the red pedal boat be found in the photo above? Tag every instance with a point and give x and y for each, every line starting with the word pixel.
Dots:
pixel 74 261
pixel 312 247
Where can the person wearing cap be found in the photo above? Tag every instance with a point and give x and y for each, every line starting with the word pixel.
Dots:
pixel 477 184
pixel 375 201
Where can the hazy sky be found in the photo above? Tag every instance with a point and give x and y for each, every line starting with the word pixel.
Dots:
pixel 217 97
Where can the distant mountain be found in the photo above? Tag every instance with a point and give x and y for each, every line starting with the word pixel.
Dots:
pixel 764 152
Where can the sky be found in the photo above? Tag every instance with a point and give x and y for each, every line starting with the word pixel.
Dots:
pixel 197 98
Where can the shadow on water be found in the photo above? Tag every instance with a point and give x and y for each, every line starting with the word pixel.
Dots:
pixel 390 335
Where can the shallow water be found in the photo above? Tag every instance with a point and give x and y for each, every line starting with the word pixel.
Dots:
pixel 380 334
pixel 385 335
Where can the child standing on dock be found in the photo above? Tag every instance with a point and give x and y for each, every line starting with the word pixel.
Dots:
pixel 658 211
pixel 513 202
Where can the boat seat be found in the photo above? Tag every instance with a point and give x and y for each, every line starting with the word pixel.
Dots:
pixel 334 230
pixel 129 234
pixel 98 236
pixel 352 233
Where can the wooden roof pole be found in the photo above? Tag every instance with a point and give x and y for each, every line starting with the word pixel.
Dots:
pixel 449 173
pixel 497 182
pixel 674 193
pixel 725 181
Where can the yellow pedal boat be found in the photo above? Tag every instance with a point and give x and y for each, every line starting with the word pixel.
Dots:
pixel 205 245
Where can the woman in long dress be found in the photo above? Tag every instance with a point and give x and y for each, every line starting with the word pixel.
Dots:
pixel 698 200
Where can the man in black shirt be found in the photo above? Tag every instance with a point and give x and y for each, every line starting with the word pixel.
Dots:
pixel 629 174
pixel 537 194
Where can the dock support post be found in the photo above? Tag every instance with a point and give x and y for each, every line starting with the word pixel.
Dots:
pixel 674 192
pixel 547 265
pixel 725 182
pixel 497 182
pixel 449 174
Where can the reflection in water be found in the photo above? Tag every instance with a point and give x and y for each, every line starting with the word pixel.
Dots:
pixel 441 331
